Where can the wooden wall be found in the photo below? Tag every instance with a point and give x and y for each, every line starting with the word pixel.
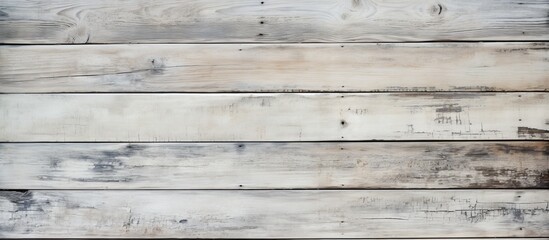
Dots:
pixel 409 119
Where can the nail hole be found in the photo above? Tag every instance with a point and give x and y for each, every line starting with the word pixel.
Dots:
pixel 183 221
pixel 342 137
pixel 343 122
pixel 520 119
pixel 239 49
pixel 341 148
pixel 261 34
pixel 261 22
pixel 520 95
pixel 342 46
pixel 240 185
pixel 262 2
pixel 342 221
pixel 520 228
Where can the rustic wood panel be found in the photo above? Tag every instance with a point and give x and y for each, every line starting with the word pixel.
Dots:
pixel 272 117
pixel 275 67
pixel 275 165
pixel 174 21
pixel 275 214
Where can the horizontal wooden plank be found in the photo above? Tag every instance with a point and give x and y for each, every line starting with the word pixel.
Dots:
pixel 275 165
pixel 275 67
pixel 175 21
pixel 272 117
pixel 275 214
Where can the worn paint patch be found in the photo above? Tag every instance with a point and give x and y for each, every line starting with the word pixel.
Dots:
pixel 449 108
pixel 532 132
pixel 23 200
pixel 531 150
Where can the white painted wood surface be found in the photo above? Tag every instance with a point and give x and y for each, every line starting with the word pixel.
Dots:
pixel 236 165
pixel 280 214
pixel 175 21
pixel 272 117
pixel 275 67
pixel 78 119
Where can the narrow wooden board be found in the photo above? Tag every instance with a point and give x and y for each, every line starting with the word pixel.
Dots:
pixel 275 214
pixel 176 21
pixel 343 165
pixel 272 117
pixel 275 67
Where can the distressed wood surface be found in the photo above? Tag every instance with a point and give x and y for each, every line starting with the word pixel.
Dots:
pixel 275 214
pixel 273 117
pixel 174 21
pixel 275 67
pixel 275 165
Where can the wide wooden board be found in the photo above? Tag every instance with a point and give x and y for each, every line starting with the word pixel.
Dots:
pixel 176 21
pixel 341 165
pixel 275 214
pixel 272 117
pixel 275 67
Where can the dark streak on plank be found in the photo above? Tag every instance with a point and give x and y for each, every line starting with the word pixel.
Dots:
pixel 533 132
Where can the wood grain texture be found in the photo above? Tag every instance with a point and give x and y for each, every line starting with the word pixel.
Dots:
pixel 272 117
pixel 275 67
pixel 275 214
pixel 275 165
pixel 173 21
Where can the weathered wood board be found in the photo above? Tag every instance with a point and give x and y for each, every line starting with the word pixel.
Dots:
pixel 272 117
pixel 275 214
pixel 371 165
pixel 175 21
pixel 275 67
